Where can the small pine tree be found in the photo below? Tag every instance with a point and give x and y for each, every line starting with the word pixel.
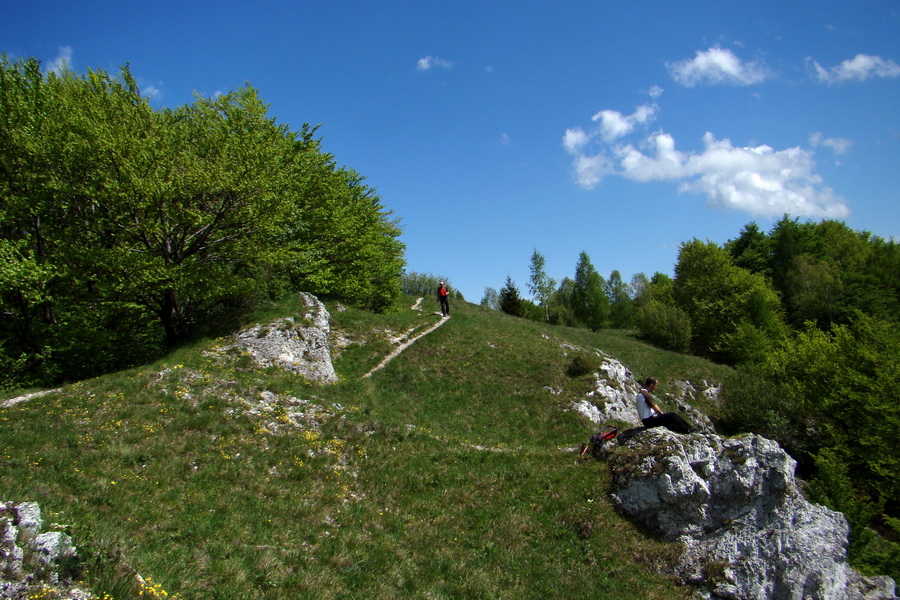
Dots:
pixel 510 301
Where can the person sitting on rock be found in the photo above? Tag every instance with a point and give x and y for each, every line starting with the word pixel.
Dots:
pixel 652 416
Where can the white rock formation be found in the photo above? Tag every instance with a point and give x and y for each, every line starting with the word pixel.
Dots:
pixel 748 531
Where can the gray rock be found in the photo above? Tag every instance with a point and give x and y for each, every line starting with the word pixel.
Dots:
pixel 31 559
pixel 612 398
pixel 296 345
pixel 735 504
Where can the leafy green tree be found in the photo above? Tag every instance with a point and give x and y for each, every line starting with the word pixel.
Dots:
pixel 491 299
pixel 123 215
pixel 422 284
pixel 621 305
pixel 830 397
pixel 541 285
pixel 561 311
pixel 664 325
pixel 718 296
pixel 589 302
pixel 752 250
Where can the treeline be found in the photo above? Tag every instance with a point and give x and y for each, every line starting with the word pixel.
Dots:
pixel 808 315
pixel 124 229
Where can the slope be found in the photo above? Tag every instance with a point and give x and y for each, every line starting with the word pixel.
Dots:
pixel 446 474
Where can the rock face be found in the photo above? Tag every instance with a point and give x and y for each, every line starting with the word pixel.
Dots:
pixel 612 398
pixel 748 531
pixel 30 557
pixel 297 345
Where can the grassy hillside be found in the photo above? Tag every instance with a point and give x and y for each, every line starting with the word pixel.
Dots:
pixel 447 474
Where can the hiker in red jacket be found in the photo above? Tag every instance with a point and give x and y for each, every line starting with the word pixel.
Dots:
pixel 444 298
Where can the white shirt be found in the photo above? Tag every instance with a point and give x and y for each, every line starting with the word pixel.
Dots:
pixel 643 407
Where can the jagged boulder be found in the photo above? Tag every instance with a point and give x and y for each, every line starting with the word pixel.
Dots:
pixel 31 558
pixel 735 504
pixel 299 345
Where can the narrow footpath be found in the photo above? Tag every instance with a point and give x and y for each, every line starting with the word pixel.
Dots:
pixel 396 351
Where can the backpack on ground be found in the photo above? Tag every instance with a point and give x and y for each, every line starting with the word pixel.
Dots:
pixel 598 441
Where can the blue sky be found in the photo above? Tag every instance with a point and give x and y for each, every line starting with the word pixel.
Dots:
pixel 495 128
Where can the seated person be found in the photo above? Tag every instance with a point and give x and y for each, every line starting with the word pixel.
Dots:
pixel 652 416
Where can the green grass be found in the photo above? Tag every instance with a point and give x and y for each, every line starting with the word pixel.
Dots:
pixel 447 474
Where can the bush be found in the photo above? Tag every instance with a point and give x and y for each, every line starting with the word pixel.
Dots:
pixel 579 366
pixel 664 325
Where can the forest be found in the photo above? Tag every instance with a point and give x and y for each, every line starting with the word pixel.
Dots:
pixel 807 314
pixel 124 230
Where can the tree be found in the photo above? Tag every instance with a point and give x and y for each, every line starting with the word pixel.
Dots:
pixel 510 301
pixel 540 285
pixel 122 214
pixel 491 299
pixel 717 296
pixel 830 397
pixel 590 304
pixel 621 306
pixel 752 250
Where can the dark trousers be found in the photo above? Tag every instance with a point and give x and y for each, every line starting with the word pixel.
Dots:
pixel 445 305
pixel 670 421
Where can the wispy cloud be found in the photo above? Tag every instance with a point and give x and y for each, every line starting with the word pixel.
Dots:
pixel 837 145
pixel 859 68
pixel 62 61
pixel 433 62
pixel 758 180
pixel 716 66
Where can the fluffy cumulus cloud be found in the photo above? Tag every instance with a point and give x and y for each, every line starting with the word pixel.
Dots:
pixel 754 179
pixel 716 66
pixel 433 62
pixel 859 68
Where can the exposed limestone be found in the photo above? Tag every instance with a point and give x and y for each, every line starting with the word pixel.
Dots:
pixel 612 398
pixel 735 504
pixel 296 345
pixel 32 559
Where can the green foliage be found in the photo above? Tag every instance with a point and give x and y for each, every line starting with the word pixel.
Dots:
pixel 830 399
pixel 718 296
pixel 491 299
pixel 541 285
pixel 621 305
pixel 664 325
pixel 125 227
pixel 580 365
pixel 426 284
pixel 589 302
pixel 510 301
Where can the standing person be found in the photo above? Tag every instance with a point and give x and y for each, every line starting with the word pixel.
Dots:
pixel 650 413
pixel 444 298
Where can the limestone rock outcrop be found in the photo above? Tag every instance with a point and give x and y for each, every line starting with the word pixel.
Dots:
pixel 31 557
pixel 614 389
pixel 299 345
pixel 735 504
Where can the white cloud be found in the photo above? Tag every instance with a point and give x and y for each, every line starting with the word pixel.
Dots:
pixel 715 66
pixel 754 179
pixel 62 61
pixel 614 124
pixel 433 62
pixel 151 91
pixel 859 68
pixel 837 145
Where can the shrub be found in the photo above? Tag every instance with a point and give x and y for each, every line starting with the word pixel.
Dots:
pixel 664 325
